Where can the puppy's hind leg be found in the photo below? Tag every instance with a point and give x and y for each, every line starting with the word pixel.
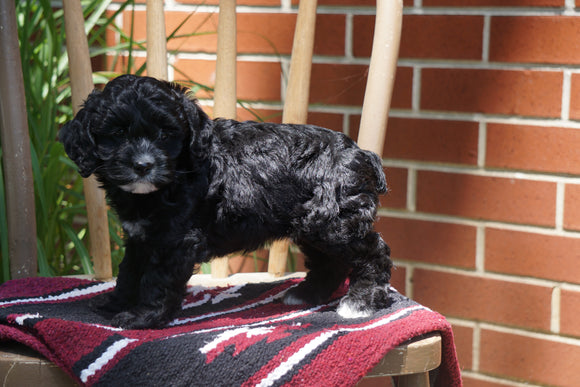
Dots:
pixel 325 275
pixel 369 278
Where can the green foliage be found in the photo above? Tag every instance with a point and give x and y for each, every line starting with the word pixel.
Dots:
pixel 60 208
pixel 62 231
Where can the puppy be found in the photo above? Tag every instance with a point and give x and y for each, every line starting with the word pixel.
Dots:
pixel 187 188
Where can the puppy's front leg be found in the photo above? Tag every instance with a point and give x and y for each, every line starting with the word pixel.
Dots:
pixel 126 292
pixel 162 285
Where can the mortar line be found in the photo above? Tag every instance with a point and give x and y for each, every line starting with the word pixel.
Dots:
pixel 555 310
pixel 416 89
pixel 560 200
pixel 482 144
pixel 348 36
pixel 480 249
pixel 411 189
pixel 476 347
pixel 566 94
pixel 485 38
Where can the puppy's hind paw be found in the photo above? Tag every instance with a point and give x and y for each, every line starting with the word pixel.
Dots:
pixel 349 308
pixel 364 302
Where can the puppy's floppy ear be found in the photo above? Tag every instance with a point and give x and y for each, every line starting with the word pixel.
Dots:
pixel 198 122
pixel 79 143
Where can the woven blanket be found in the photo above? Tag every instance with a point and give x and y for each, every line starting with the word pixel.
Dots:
pixel 231 336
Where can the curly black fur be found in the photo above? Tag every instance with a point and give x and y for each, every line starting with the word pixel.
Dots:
pixel 188 188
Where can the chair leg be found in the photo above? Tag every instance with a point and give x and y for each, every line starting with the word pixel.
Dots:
pixel 414 380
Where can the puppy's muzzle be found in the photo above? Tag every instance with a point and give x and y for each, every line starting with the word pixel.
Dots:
pixel 143 167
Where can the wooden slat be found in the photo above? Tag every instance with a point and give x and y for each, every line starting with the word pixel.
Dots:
pixel 81 85
pixel 18 179
pixel 225 88
pixel 381 77
pixel 156 40
pixel 296 102
pixel 225 83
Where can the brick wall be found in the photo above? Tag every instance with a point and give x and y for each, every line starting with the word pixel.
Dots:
pixel 482 155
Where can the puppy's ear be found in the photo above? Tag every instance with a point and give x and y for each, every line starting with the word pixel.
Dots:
pixel 197 120
pixel 79 143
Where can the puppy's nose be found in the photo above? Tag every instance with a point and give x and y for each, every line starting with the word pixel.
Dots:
pixel 142 167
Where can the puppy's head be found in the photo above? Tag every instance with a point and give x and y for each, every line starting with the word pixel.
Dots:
pixel 134 133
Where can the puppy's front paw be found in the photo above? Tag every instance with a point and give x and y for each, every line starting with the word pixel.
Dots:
pixel 140 318
pixel 107 304
pixel 302 294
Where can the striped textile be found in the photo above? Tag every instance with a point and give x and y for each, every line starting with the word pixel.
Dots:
pixel 232 336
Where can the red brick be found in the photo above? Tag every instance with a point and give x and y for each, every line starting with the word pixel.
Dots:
pixel 483 299
pixel 264 33
pixel 572 207
pixel 344 84
pixel 536 39
pixel 530 359
pixel 491 198
pixel 527 254
pixel 432 140
pixel 570 313
pixel 441 141
pixel 357 3
pixel 536 148
pixel 427 36
pixel 326 120
pixel 463 338
pixel 271 3
pixel 528 93
pixel 495 3
pixel 256 81
pixel 397 183
pixel 262 115
pixel 440 243
pixel 575 97
pixel 398 279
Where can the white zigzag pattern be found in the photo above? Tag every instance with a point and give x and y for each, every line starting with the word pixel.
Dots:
pixel 298 356
pixel 105 358
pixel 64 296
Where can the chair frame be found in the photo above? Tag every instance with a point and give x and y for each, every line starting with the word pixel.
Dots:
pixel 411 361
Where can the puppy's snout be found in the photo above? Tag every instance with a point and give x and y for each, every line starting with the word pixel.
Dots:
pixel 143 167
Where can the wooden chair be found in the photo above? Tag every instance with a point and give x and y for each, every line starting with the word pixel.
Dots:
pixel 411 361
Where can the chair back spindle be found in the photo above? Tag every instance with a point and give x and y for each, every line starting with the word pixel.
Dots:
pixel 81 75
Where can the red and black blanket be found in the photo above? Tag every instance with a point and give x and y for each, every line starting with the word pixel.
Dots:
pixel 231 336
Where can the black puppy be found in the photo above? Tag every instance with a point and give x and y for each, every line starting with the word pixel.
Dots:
pixel 188 188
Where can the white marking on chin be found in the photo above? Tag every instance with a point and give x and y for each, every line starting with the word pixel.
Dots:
pixel 350 309
pixel 139 188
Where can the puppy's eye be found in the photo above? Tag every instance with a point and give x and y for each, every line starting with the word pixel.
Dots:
pixel 164 136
